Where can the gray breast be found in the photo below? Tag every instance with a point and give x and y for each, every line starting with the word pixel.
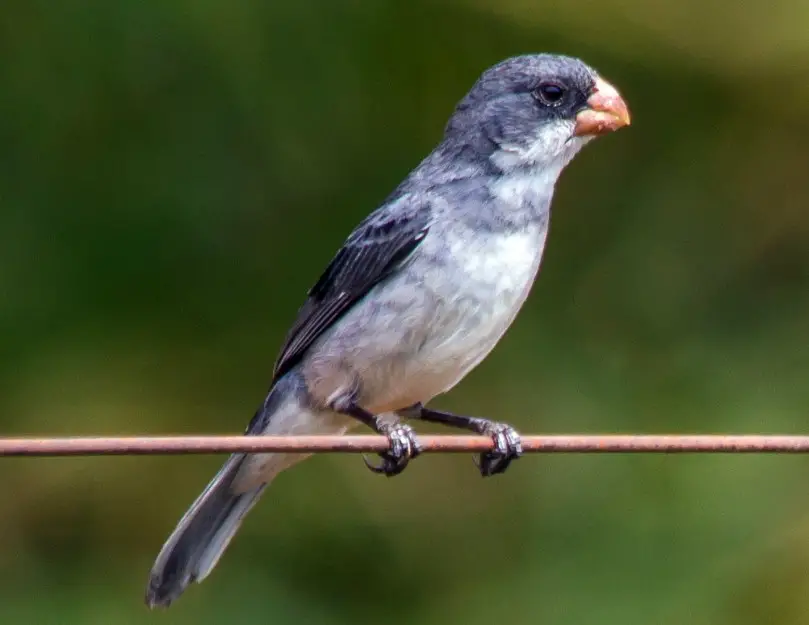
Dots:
pixel 475 293
pixel 418 334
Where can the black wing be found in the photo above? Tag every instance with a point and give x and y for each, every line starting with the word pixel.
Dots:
pixel 378 246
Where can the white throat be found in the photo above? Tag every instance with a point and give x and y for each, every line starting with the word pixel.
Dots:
pixel 530 170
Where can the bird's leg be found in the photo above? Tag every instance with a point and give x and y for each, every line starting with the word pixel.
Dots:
pixel 507 444
pixel 402 438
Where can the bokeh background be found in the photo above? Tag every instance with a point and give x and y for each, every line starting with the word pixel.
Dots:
pixel 174 176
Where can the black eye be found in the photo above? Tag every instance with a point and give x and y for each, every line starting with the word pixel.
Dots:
pixel 550 93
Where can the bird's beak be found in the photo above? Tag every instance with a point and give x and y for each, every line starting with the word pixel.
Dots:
pixel 606 111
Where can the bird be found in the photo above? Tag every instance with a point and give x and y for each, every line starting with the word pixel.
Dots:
pixel 417 296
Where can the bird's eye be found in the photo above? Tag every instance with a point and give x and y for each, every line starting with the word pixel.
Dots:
pixel 550 93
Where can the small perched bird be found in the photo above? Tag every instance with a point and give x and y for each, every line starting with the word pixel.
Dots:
pixel 417 296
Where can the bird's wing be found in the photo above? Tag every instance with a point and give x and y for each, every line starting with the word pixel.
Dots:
pixel 379 245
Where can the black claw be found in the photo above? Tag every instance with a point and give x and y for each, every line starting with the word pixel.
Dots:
pixel 507 447
pixel 403 447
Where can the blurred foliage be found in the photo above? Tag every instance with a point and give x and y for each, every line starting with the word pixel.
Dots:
pixel 173 177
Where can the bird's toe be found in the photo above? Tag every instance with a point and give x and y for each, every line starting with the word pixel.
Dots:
pixel 507 448
pixel 403 447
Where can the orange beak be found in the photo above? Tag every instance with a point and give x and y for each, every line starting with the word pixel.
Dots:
pixel 606 112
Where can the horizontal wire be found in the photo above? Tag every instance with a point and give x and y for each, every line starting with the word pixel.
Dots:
pixel 630 443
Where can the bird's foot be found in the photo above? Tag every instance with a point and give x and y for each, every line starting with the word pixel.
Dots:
pixel 507 447
pixel 403 447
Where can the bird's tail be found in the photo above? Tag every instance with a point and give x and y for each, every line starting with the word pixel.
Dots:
pixel 201 536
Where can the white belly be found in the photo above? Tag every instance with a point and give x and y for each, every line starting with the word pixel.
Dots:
pixel 500 276
pixel 492 278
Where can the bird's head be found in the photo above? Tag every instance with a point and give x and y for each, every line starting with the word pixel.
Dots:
pixel 538 110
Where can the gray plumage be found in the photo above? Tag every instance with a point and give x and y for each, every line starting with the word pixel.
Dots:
pixel 418 295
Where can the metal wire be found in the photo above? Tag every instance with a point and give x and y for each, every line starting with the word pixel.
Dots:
pixel 630 443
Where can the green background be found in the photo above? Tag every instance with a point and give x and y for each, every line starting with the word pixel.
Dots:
pixel 174 176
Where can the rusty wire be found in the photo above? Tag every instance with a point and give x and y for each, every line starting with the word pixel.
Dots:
pixel 630 443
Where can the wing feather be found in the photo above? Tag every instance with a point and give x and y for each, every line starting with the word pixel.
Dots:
pixel 379 245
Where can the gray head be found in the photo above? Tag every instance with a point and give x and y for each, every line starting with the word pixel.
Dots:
pixel 536 110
